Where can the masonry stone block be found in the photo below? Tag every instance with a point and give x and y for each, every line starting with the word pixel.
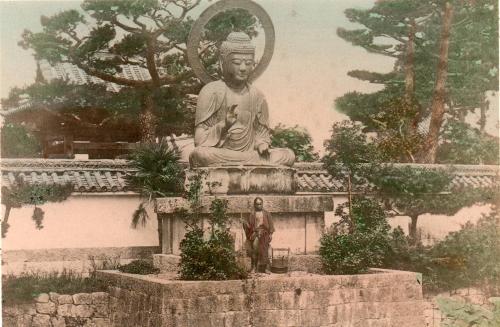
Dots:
pixel 64 310
pixel 82 298
pixel 99 297
pixel 102 322
pixel 9 321
pixel 291 318
pixel 21 320
pixel 101 310
pixel 65 299
pixel 54 297
pixel 42 298
pixel 46 308
pixel 58 322
pixel 236 318
pixel 155 304
pixel 82 311
pixel 41 320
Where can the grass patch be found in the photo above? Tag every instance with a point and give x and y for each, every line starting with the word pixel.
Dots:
pixel 23 288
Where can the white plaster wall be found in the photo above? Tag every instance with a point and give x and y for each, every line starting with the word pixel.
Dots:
pixel 85 221
pixel 81 221
pixel 436 227
pixel 432 227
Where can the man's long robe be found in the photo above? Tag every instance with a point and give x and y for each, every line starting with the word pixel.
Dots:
pixel 262 233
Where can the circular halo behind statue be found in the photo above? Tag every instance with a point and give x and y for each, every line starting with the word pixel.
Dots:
pixel 223 5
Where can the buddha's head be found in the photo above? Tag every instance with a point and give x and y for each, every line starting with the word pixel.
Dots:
pixel 237 58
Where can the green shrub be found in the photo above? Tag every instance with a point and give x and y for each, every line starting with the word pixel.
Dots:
pixel 207 259
pixel 158 174
pixel 18 142
pixel 295 138
pixel 140 267
pixel 470 256
pixel 23 288
pixel 466 258
pixel 459 313
pixel 406 255
pixel 355 244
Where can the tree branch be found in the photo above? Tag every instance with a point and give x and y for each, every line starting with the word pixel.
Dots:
pixel 178 47
pixel 397 38
pixel 382 52
pixel 72 34
pixel 108 77
pixel 127 61
pixel 150 61
pixel 127 28
pixel 136 20
pixel 185 10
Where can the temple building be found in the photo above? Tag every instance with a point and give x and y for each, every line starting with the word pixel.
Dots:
pixel 65 131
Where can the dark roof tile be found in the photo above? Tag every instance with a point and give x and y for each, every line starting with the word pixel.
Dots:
pixel 110 175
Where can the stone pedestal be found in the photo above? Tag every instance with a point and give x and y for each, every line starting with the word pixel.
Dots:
pixel 298 219
pixel 246 179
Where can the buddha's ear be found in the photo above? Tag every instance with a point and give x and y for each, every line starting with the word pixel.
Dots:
pixel 220 69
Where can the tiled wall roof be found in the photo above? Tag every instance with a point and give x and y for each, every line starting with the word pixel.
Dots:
pixel 85 175
pixel 311 177
pixel 109 175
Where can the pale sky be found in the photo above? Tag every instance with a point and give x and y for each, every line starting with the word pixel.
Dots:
pixel 308 70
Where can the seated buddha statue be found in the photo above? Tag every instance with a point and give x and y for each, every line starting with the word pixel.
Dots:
pixel 232 117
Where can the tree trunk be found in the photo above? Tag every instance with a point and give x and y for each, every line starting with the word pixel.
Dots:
pixel 462 113
pixel 439 98
pixel 482 120
pixel 5 221
pixel 410 85
pixel 410 63
pixel 352 224
pixel 147 118
pixel 412 230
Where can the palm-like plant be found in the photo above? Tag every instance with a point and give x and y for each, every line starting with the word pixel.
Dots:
pixel 158 174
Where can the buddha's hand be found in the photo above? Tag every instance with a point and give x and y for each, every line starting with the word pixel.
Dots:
pixel 263 149
pixel 231 116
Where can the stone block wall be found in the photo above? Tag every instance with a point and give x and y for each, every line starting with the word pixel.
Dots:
pixel 384 298
pixel 60 310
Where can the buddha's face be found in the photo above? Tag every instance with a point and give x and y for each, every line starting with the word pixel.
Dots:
pixel 238 67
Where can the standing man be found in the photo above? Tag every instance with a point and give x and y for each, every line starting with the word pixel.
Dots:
pixel 259 231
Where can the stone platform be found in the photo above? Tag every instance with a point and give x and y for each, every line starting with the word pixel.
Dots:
pixel 299 220
pixel 382 298
pixel 247 179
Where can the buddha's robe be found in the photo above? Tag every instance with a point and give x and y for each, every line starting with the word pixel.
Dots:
pixel 217 145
